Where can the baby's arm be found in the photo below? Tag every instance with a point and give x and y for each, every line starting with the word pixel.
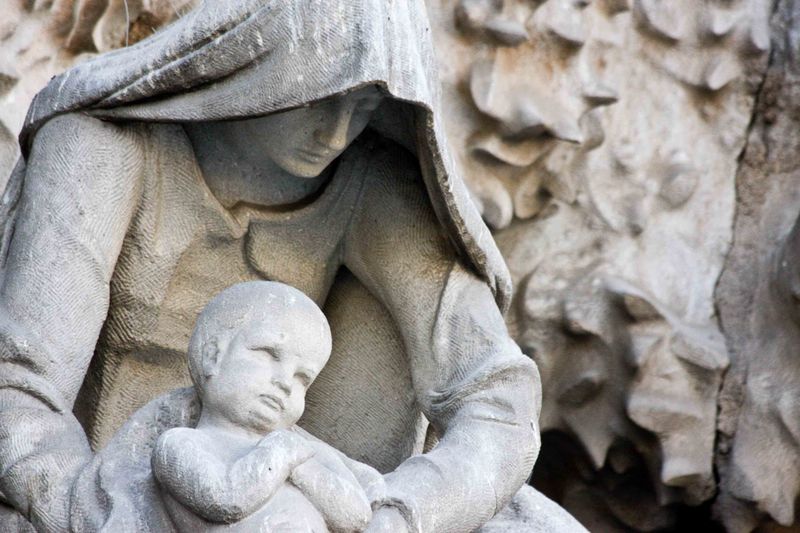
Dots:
pixel 222 493
pixel 333 489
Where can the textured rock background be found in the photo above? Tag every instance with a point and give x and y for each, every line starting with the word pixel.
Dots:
pixel 759 302
pixel 638 162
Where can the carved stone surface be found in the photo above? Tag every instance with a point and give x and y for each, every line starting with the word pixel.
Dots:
pixel 252 140
pixel 39 39
pixel 759 447
pixel 246 465
pixel 617 150
pixel 601 139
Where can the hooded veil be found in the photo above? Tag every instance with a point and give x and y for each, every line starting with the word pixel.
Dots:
pixel 246 58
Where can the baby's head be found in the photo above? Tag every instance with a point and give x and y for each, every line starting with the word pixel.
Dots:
pixel 255 349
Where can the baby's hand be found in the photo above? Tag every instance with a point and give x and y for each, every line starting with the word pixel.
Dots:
pixel 333 489
pixel 290 448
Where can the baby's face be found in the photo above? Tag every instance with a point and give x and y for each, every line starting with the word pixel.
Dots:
pixel 264 374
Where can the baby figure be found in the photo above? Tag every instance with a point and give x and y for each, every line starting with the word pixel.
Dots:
pixel 246 466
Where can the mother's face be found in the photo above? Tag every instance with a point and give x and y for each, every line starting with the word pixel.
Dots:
pixel 304 141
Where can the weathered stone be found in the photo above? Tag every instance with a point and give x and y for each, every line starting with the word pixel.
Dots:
pixel 298 142
pixel 603 141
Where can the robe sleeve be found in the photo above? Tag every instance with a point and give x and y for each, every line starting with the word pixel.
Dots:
pixel 480 393
pixel 79 192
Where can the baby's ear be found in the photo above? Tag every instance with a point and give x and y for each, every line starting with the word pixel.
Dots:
pixel 211 357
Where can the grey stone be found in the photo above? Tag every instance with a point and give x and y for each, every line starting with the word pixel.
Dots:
pixel 615 148
pixel 759 448
pixel 298 142
pixel 245 465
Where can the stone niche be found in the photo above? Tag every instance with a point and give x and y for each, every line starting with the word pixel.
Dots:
pixel 638 163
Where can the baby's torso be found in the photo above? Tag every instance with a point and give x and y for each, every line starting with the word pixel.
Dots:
pixel 182 248
pixel 288 511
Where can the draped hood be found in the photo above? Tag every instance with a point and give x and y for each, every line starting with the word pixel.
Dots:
pixel 238 59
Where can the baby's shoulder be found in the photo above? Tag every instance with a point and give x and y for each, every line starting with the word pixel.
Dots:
pixel 183 438
pixel 183 434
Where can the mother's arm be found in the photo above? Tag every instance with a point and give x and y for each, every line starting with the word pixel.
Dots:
pixel 80 191
pixel 478 390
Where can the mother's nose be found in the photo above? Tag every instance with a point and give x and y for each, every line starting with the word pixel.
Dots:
pixel 333 132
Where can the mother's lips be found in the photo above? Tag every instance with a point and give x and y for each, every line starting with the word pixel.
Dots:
pixel 322 153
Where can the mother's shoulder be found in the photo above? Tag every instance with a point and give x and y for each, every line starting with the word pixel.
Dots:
pixel 95 157
pixel 83 128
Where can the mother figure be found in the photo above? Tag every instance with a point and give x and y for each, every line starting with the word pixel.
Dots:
pixel 296 141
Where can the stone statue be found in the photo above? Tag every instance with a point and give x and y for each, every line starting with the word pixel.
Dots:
pixel 255 350
pixel 297 142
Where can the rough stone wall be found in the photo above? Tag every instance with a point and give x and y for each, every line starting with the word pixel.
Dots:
pixel 759 301
pixel 636 159
pixel 602 141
